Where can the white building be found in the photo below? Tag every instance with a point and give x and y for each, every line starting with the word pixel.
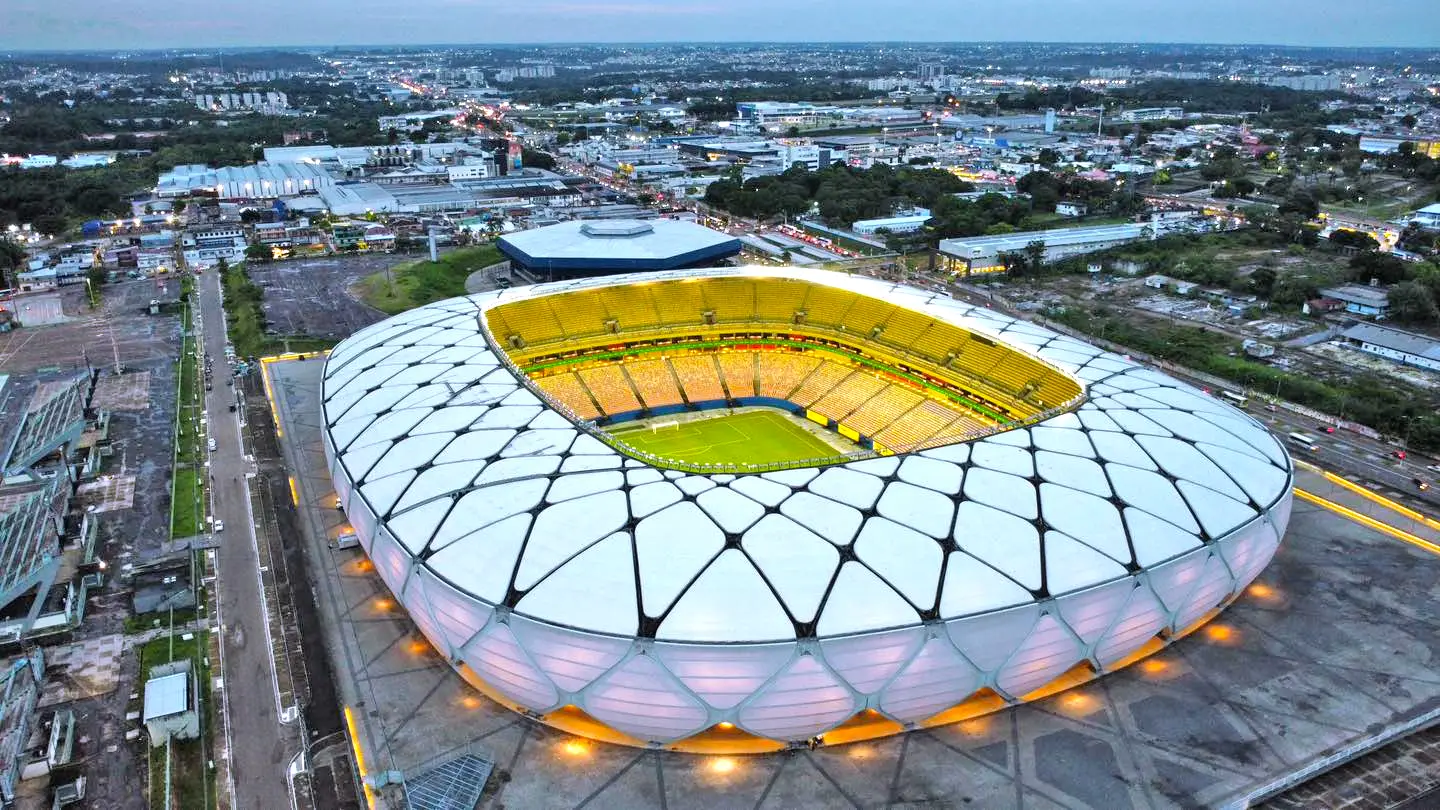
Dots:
pixel 270 101
pixel 415 121
pixel 170 704
pixel 1153 114
pixel 908 223
pixel 205 247
pixel 1403 347
pixel 1427 217
pixel 1314 82
pixel 258 180
pixel 982 254
pixel 469 170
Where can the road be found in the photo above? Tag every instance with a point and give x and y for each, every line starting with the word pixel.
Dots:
pixel 258 755
pixel 1343 451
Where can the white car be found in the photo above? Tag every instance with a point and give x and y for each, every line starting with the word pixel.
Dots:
pixel 219 526
pixel 211 444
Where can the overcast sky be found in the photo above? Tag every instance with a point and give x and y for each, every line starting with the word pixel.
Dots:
pixel 96 24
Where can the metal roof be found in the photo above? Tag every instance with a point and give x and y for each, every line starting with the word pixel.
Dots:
pixel 786 601
pixel 1396 339
pixel 1358 294
pixel 166 695
pixel 655 239
pixel 991 245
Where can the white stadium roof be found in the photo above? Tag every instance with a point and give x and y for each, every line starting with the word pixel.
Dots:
pixel 787 601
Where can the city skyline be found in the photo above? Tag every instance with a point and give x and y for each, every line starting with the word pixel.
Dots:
pixel 144 24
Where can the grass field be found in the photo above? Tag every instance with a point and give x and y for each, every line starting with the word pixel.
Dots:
pixel 754 437
pixel 422 281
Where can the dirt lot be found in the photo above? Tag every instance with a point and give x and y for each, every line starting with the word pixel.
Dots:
pixel 311 296
pixel 121 326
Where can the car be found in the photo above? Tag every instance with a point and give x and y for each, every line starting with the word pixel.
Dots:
pixel 1435 468
pixel 211 445
pixel 1271 408
pixel 1329 428
pixel 1400 454
pixel 219 526
pixel 1420 484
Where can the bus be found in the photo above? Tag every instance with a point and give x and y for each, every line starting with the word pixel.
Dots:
pixel 1238 400
pixel 1304 441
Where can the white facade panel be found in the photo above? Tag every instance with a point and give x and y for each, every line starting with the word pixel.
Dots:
pixel 934 680
pixel 641 698
pixel 497 656
pixel 724 676
pixel 805 699
pixel 571 660
pixel 1045 654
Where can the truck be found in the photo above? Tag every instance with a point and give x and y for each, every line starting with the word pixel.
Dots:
pixel 344 540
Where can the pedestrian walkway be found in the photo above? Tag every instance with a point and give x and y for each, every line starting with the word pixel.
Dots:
pixel 1385 778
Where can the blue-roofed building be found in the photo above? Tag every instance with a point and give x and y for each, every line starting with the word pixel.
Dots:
pixel 597 248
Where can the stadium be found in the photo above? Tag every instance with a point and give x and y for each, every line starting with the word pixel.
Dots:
pixel 745 508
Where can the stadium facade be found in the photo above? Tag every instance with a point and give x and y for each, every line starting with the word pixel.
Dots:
pixel 607 247
pixel 1107 510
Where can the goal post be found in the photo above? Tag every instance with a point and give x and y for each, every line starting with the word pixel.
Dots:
pixel 656 427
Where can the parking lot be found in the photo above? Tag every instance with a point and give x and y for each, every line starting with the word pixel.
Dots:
pixel 312 296
pixel 122 327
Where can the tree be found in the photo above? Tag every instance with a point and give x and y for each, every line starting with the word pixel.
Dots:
pixel 534 158
pixel 1344 237
pixel 1048 157
pixel 12 258
pixel 1373 264
pixel 1013 261
pixel 1302 203
pixel 1262 281
pixel 95 277
pixel 1035 256
pixel 1413 303
pixel 258 252
pixel 1408 121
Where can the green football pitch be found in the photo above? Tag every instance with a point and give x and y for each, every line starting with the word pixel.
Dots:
pixel 753 437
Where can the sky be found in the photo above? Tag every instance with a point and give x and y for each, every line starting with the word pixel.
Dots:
pixel 137 24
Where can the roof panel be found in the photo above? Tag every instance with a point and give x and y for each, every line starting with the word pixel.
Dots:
pixel 974 587
pixel 481 563
pixel 861 601
pixel 729 509
pixel 833 521
pixel 674 545
pixel 606 567
pixel 848 486
pixel 905 558
pixel 564 529
pixel 921 509
pixel 729 602
pixel 1070 565
pixel 941 476
pixel 796 563
pixel 1001 540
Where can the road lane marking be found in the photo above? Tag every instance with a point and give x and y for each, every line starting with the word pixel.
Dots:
pixel 1365 520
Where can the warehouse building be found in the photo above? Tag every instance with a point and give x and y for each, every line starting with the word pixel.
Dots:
pixel 982 254
pixel 1406 348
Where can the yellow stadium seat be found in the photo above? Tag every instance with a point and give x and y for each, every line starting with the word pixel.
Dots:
pixel 698 377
